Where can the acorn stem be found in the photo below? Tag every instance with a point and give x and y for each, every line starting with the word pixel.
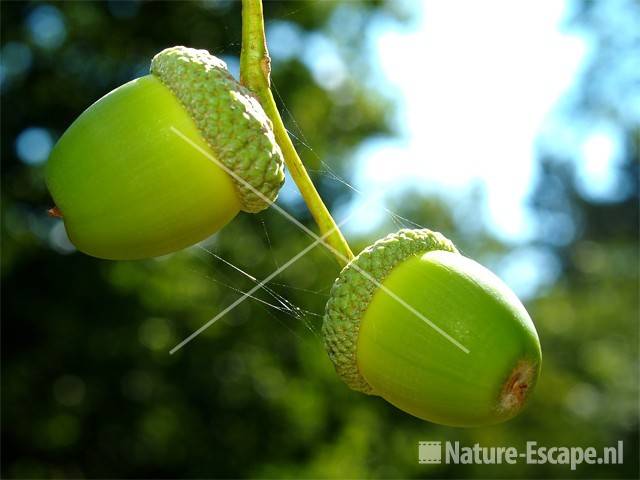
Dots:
pixel 255 74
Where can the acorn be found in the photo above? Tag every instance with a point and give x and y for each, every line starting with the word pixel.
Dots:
pixel 434 333
pixel 164 161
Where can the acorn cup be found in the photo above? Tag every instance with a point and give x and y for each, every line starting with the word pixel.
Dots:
pixel 444 339
pixel 127 183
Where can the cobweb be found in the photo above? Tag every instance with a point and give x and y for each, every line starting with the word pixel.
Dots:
pixel 271 301
pixel 276 302
pixel 300 140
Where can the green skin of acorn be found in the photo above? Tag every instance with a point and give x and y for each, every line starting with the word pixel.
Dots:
pixel 381 348
pixel 128 187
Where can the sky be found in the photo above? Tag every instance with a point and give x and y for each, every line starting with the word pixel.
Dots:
pixel 475 82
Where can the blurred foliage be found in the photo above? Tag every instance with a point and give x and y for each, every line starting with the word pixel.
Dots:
pixel 88 386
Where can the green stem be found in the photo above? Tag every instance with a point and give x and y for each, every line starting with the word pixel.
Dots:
pixel 255 74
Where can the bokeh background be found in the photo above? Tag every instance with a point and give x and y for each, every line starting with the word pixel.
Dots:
pixel 512 127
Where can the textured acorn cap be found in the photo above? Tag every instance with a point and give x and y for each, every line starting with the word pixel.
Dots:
pixel 229 118
pixel 352 292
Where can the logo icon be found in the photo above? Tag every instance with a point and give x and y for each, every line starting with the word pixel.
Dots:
pixel 429 452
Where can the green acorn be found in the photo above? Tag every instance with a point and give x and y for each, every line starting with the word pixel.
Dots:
pixel 127 183
pixel 444 339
